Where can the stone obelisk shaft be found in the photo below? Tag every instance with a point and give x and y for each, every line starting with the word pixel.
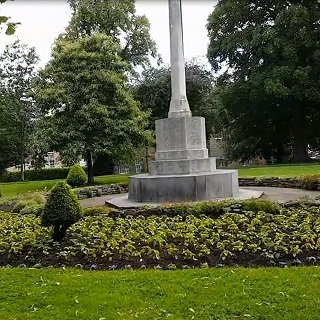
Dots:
pixel 179 106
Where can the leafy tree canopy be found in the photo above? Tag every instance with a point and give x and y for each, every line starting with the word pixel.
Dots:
pixel 118 20
pixel 10 27
pixel 83 89
pixel 18 111
pixel 154 92
pixel 268 56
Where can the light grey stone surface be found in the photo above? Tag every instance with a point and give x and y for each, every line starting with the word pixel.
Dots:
pixel 189 187
pixel 122 201
pixel 182 170
pixel 179 106
pixel 181 138
pixel 183 166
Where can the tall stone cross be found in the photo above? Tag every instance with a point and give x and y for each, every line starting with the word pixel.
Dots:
pixel 179 106
pixel 182 170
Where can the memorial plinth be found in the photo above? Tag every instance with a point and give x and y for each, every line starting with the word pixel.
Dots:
pixel 182 170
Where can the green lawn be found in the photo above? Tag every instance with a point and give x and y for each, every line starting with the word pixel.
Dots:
pixel 280 170
pixel 14 188
pixel 292 293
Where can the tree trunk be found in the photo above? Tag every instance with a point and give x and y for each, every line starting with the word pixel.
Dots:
pixel 89 166
pixel 22 166
pixel 59 232
pixel 280 153
pixel 300 153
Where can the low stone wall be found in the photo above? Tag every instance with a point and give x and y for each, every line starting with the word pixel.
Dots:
pixel 295 183
pixel 97 191
pixel 273 182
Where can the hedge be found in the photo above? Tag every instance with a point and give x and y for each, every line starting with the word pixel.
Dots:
pixel 36 175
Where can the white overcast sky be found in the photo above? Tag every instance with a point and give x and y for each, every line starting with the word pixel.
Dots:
pixel 43 20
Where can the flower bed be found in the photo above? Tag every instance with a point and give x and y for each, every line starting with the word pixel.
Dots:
pixel 288 236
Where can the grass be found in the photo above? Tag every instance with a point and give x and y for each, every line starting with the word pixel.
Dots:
pixel 280 170
pixel 14 188
pixel 11 189
pixel 292 293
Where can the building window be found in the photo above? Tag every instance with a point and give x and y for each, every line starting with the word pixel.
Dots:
pixel 123 170
pixel 138 168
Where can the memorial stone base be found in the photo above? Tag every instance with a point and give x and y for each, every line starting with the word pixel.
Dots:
pixel 182 170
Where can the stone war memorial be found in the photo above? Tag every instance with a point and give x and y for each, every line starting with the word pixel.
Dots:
pixel 182 170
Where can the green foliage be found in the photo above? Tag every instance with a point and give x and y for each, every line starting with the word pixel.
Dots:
pixel 61 210
pixel 84 87
pixel 117 19
pixel 89 193
pixel 77 176
pixel 154 92
pixel 35 175
pixel 269 92
pixel 18 111
pixel 35 209
pixel 234 237
pixel 310 182
pixel 22 204
pixel 266 235
pixel 261 205
pixel 18 232
pixel 10 27
pixel 96 211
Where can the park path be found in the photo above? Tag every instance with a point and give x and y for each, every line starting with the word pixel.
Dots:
pixel 274 194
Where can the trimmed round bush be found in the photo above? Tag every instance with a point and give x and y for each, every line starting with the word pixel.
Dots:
pixel 61 210
pixel 77 176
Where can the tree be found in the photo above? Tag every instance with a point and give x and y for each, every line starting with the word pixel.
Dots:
pixel 118 20
pixel 18 111
pixel 10 26
pixel 270 89
pixel 154 92
pixel 84 90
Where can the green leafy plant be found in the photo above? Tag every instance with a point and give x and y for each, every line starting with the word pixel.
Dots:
pixel 89 193
pixel 77 176
pixel 61 210
pixel 35 209
pixel 310 182
pixel 96 211
pixel 20 205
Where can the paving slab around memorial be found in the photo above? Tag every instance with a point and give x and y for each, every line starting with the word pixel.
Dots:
pixel 123 202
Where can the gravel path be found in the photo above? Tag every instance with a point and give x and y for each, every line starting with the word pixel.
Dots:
pixel 274 194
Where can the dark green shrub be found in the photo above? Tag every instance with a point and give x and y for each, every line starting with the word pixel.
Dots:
pixel 96 211
pixel 35 175
pixel 61 210
pixel 310 182
pixel 89 193
pixel 77 176
pixel 99 193
pixel 20 205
